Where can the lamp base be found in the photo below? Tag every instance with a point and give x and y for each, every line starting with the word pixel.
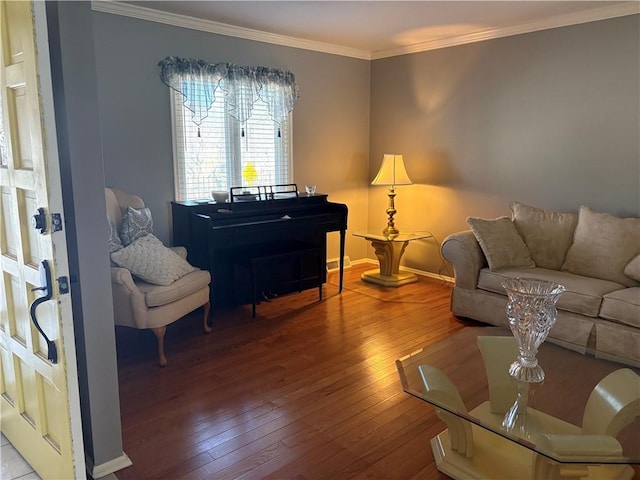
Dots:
pixel 390 231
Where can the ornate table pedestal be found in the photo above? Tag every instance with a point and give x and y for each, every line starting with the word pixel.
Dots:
pixel 389 251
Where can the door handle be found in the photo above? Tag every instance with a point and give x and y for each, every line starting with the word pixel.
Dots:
pixel 47 287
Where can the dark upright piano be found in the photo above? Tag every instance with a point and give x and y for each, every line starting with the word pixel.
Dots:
pixel 273 222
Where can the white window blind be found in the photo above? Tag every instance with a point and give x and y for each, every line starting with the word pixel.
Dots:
pixel 213 155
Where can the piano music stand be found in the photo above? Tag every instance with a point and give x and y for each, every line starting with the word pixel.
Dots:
pixel 263 193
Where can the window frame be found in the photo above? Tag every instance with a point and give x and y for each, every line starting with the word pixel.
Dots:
pixel 234 164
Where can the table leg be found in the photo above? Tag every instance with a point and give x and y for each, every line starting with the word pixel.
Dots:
pixel 494 457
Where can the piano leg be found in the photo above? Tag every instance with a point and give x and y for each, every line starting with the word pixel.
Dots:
pixel 342 237
pixel 321 268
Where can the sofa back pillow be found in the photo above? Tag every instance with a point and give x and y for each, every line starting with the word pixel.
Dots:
pixel 548 234
pixel 632 270
pixel 602 246
pixel 500 242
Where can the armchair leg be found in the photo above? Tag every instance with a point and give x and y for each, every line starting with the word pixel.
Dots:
pixel 207 309
pixel 159 333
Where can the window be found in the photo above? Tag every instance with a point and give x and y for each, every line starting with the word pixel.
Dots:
pixel 231 125
pixel 212 156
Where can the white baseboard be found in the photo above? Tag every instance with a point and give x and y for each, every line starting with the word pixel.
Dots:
pixel 364 260
pixel 103 469
pixel 436 276
pixel 333 264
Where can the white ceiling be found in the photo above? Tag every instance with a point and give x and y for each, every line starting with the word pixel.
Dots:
pixel 376 29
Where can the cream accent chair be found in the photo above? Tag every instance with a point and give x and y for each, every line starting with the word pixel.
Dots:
pixel 138 304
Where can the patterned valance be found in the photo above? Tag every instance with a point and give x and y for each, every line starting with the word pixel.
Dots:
pixel 203 83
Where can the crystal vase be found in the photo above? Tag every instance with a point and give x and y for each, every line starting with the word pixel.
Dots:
pixel 531 311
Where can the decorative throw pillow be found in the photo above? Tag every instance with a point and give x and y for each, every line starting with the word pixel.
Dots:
pixel 115 243
pixel 547 234
pixel 500 243
pixel 147 258
pixel 603 245
pixel 136 223
pixel 632 270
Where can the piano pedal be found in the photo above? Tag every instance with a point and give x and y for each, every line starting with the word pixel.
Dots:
pixel 268 296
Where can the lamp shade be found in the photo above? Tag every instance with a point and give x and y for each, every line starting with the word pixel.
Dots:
pixel 392 171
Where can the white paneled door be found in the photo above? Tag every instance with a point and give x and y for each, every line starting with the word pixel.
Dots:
pixel 39 404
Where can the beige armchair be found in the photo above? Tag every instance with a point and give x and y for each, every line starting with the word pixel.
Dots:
pixel 142 305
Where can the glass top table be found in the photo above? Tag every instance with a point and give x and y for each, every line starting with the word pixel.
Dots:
pixel 401 237
pixel 582 421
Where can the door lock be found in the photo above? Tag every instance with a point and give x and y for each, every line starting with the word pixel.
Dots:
pixel 39 221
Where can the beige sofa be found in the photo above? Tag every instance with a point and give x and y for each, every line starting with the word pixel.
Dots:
pixel 596 256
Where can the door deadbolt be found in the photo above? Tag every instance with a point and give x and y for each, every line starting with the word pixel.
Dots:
pixel 39 221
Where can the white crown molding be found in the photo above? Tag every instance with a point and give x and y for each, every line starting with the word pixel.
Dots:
pixel 143 13
pixel 557 21
pixel 210 26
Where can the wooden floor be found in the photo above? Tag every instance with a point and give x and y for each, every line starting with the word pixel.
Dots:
pixel 306 390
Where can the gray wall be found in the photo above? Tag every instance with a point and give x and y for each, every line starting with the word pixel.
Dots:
pixel 330 120
pixel 549 118
pixel 78 132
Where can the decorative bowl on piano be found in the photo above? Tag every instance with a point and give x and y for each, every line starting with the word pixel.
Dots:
pixel 220 196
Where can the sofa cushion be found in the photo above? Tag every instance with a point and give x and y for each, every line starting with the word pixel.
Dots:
pixel 147 258
pixel 632 269
pixel 136 223
pixel 622 306
pixel 547 234
pixel 157 295
pixel 603 245
pixel 500 242
pixel 618 342
pixel 583 295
